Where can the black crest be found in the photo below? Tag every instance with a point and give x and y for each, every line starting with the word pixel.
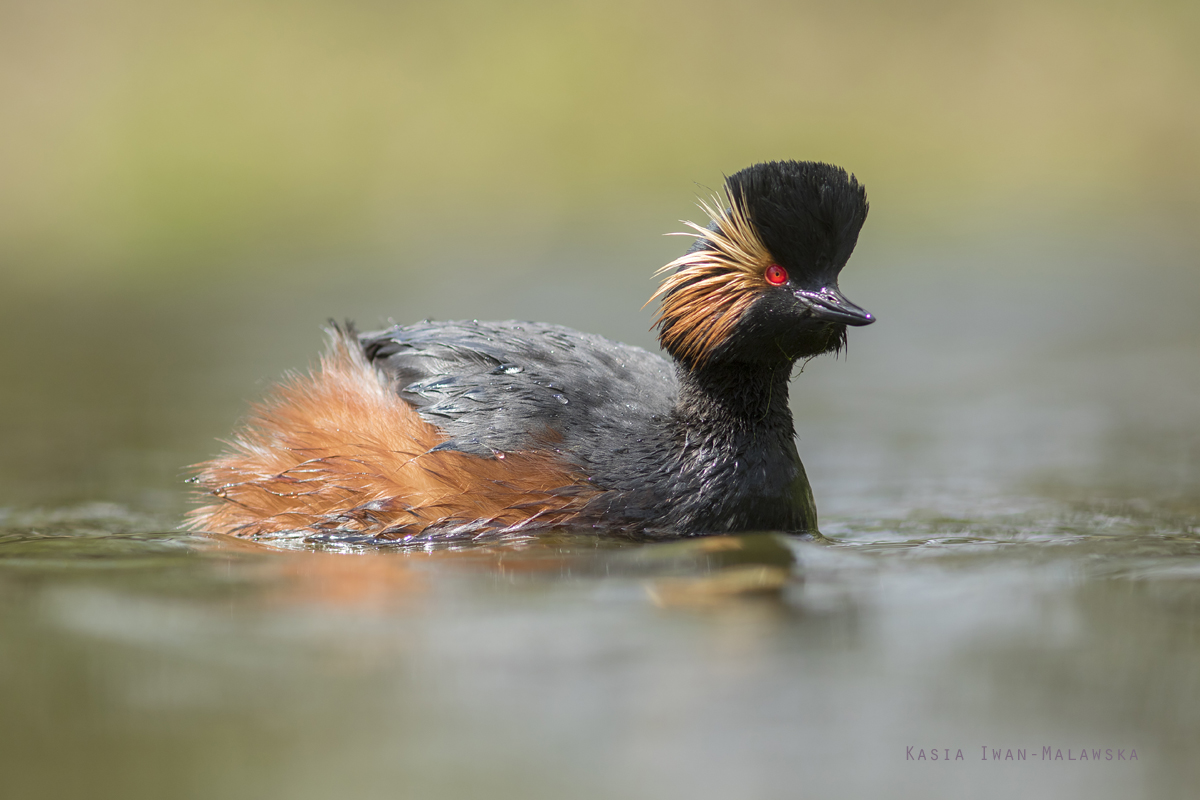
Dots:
pixel 807 213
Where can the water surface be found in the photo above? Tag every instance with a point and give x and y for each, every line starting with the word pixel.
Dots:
pixel 1007 468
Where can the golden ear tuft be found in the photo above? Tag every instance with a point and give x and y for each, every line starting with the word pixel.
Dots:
pixel 709 289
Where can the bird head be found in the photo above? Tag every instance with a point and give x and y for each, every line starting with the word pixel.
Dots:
pixel 760 283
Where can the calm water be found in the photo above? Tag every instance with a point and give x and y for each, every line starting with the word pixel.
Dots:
pixel 1007 468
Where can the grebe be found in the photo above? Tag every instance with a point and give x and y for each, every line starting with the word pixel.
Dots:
pixel 454 430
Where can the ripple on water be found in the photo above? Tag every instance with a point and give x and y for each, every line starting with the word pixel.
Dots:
pixel 821 657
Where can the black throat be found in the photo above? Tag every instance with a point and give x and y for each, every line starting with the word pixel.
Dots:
pixel 734 397
pixel 734 465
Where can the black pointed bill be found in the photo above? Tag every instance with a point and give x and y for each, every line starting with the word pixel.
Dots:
pixel 830 304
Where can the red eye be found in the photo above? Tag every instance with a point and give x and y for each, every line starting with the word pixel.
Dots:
pixel 775 275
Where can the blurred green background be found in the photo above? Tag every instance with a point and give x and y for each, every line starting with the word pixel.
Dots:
pixel 170 140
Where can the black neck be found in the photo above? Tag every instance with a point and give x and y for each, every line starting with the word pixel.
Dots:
pixel 735 394
pixel 735 466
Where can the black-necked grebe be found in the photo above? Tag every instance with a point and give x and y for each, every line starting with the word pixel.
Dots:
pixel 444 430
